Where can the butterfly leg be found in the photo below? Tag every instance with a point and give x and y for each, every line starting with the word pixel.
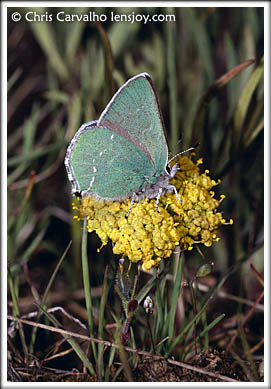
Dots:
pixel 131 205
pixel 173 170
pixel 176 193
pixel 158 198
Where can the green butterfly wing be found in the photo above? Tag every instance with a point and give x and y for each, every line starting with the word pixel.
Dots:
pixel 135 114
pixel 125 149
pixel 105 164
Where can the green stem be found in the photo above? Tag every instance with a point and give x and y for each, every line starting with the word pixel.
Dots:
pixel 17 312
pixel 101 325
pixel 204 332
pixel 87 289
pixel 179 338
pixel 176 293
pixel 194 311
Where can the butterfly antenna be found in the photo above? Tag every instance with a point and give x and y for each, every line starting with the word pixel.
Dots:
pixel 174 147
pixel 185 151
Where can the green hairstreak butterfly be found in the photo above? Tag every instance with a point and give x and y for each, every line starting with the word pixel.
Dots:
pixel 124 154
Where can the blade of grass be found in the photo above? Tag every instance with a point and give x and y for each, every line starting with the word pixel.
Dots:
pixel 232 60
pixel 75 36
pixel 164 334
pixel 110 362
pixel 244 100
pixel 28 190
pixel 200 35
pixel 257 274
pixel 109 60
pixel 72 342
pixel 30 249
pixel 74 115
pixel 87 290
pixel 162 312
pixel 203 333
pixel 133 345
pixel 45 297
pixel 159 320
pixel 254 133
pixel 13 218
pixel 29 129
pixel 171 65
pixel 117 373
pixel 124 360
pixel 146 288
pixel 193 300
pixel 57 96
pixel 206 336
pixel 128 349
pixel 17 172
pixel 187 327
pixel 245 318
pixel 204 316
pixel 17 312
pixel 75 277
pixel 175 295
pixel 247 352
pixel 121 35
pixel 101 324
pixel 256 114
pixel 13 78
pixel 45 36
pixel 38 152
pixel 210 93
pixel 15 138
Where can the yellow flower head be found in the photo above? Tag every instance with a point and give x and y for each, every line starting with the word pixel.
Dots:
pixel 147 235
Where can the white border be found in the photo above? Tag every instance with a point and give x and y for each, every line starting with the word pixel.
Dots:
pixel 180 4
pixel 267 193
pixel 4 6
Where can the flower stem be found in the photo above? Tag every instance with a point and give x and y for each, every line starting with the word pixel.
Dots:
pixel 87 290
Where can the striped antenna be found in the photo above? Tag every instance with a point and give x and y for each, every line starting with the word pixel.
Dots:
pixel 185 151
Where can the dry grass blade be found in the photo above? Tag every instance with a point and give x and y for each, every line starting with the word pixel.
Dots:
pixel 110 344
pixel 211 92
pixel 109 59
pixel 245 319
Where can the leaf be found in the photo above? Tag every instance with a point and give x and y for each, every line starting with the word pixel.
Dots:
pixel 38 152
pixel 75 35
pixel 57 96
pixel 109 59
pixel 175 296
pixel 245 98
pixel 211 92
pixel 13 78
pixel 255 133
pixel 30 249
pixel 45 36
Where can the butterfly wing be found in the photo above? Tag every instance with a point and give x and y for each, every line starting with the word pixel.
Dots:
pixel 104 163
pixel 134 113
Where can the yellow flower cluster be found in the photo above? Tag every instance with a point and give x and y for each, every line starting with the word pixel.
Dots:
pixel 149 236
